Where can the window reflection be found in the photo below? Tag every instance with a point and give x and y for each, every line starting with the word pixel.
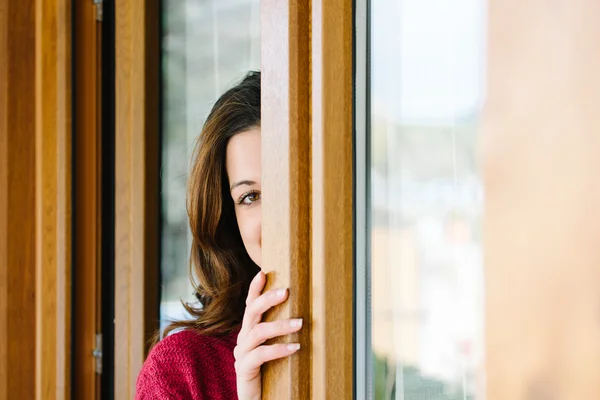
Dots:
pixel 427 89
pixel 207 47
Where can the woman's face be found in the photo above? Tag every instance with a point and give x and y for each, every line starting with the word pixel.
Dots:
pixel 244 170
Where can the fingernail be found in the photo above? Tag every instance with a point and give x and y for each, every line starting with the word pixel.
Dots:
pixel 296 323
pixel 293 346
pixel 280 292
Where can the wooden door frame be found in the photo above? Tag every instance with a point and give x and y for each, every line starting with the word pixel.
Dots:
pixel 307 153
pixel 35 205
pixel 17 202
pixel 36 218
pixel 285 137
pixel 137 187
pixel 87 179
pixel 332 199
pixel 53 198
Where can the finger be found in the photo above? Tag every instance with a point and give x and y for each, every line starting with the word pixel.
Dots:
pixel 268 330
pixel 260 305
pixel 256 287
pixel 263 354
pixel 254 291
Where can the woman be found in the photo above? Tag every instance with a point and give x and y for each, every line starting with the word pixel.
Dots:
pixel 218 354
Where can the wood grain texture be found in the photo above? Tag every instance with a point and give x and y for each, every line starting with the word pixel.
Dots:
pixel 332 194
pixel 17 199
pixel 137 235
pixel 541 140
pixel 87 178
pixel 285 136
pixel 53 199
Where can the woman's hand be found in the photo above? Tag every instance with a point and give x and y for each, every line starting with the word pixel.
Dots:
pixel 250 353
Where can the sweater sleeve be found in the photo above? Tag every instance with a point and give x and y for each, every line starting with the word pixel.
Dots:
pixel 170 372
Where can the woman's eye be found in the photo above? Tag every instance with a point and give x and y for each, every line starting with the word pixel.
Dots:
pixel 249 198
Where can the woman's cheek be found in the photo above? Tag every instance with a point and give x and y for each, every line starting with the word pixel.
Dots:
pixel 255 234
pixel 251 230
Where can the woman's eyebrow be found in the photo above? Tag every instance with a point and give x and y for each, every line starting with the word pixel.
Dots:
pixel 240 183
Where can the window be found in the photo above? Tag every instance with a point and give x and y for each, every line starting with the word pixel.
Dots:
pixel 207 47
pixel 425 196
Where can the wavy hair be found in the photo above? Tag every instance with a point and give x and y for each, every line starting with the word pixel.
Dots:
pixel 220 268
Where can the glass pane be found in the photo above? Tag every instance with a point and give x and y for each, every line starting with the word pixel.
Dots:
pixel 426 91
pixel 207 46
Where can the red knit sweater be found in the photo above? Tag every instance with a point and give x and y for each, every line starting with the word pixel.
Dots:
pixel 186 365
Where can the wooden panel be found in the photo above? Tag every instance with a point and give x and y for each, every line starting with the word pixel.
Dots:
pixel 286 161
pixel 87 178
pixel 137 211
pixel 541 141
pixel 332 194
pixel 53 201
pixel 17 199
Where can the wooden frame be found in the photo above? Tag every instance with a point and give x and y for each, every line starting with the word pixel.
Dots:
pixel 17 199
pixel 285 136
pixel 35 205
pixel 307 232
pixel 87 200
pixel 53 199
pixel 332 200
pixel 137 235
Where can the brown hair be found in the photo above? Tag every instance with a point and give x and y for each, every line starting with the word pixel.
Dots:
pixel 219 260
